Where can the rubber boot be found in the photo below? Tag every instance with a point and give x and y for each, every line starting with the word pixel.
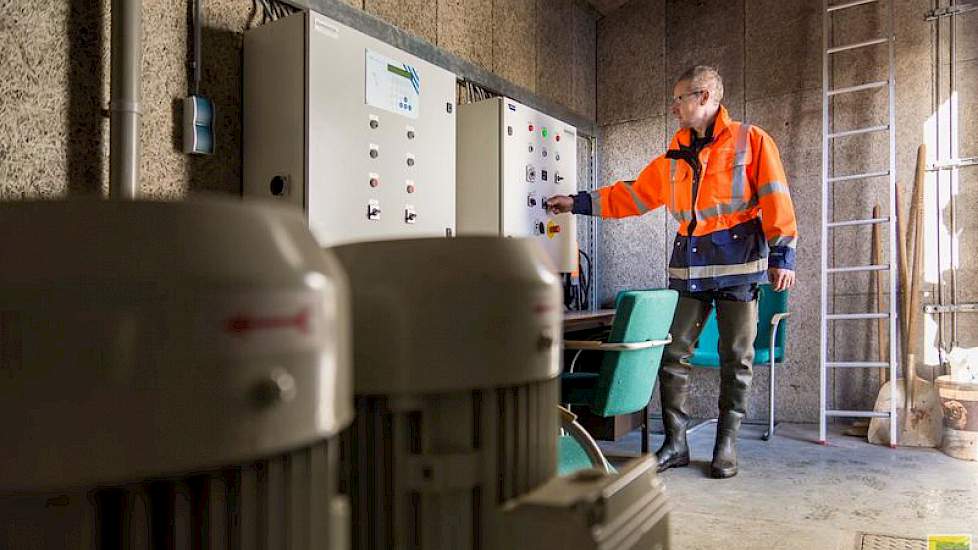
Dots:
pixel 725 451
pixel 737 325
pixel 674 381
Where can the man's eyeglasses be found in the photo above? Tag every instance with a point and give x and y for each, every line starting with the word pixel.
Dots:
pixel 677 98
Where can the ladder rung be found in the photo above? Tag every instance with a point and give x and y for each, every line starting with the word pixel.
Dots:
pixel 834 316
pixel 860 87
pixel 851 4
pixel 860 176
pixel 858 414
pixel 857 268
pixel 860 131
pixel 870 221
pixel 857 364
pixel 863 44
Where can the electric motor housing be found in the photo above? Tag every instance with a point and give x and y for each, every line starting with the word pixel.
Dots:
pixel 170 370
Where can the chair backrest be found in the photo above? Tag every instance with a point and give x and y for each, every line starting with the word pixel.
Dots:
pixel 626 378
pixel 769 303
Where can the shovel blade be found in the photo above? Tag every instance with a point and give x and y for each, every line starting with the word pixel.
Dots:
pixel 926 423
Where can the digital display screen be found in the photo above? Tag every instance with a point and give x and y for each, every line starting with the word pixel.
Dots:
pixel 398 71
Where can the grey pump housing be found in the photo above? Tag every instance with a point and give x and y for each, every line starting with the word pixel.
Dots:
pixel 154 354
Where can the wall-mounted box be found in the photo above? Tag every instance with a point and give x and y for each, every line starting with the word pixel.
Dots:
pixel 354 131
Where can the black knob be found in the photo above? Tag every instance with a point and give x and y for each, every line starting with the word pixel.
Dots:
pixel 410 134
pixel 374 153
pixel 545 342
pixel 278 387
pixel 410 161
pixel 374 124
pixel 278 186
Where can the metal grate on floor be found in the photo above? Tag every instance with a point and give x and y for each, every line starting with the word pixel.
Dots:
pixel 887 542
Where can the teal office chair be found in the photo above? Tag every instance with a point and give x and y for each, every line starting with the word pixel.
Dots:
pixel 576 449
pixel 629 358
pixel 769 345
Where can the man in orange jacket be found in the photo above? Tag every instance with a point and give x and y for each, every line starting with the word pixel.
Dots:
pixel 724 183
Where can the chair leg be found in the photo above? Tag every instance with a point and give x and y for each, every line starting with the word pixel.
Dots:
pixel 770 413
pixel 645 430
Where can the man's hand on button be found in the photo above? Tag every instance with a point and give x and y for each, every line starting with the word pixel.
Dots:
pixel 781 279
pixel 559 204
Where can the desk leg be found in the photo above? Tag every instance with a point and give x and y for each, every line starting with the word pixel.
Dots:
pixel 645 429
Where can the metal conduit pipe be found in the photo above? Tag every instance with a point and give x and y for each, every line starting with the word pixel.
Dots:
pixel 127 32
pixel 954 154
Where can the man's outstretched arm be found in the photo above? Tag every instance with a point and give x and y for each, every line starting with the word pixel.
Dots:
pixel 620 199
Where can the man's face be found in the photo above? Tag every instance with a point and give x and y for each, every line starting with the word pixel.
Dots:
pixel 689 104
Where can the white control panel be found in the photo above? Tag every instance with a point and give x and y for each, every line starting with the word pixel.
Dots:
pixel 510 160
pixel 357 133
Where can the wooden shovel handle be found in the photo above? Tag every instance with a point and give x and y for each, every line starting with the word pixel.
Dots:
pixel 917 214
pixel 903 235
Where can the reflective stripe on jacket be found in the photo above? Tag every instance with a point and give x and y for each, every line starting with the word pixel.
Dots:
pixel 740 223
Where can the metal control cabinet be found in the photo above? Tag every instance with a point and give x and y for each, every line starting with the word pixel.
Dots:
pixel 511 158
pixel 357 133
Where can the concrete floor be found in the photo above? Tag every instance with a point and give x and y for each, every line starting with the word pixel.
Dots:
pixel 794 494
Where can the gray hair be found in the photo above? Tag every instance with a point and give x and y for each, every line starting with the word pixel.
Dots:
pixel 705 76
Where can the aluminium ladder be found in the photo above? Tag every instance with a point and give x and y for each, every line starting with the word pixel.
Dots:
pixel 828 362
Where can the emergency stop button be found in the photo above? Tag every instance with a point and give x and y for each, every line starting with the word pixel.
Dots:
pixel 552 229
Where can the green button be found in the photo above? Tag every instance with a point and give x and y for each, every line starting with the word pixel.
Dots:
pixel 544 132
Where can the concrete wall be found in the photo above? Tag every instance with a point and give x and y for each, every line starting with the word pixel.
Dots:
pixel 54 72
pixel 769 53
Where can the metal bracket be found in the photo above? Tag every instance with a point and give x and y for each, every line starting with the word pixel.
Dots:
pixel 952 164
pixel 952 308
pixel 949 11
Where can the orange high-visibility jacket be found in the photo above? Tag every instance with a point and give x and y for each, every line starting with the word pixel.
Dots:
pixel 740 221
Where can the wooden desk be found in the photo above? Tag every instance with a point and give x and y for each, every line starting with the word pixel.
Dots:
pixel 611 428
pixel 583 320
